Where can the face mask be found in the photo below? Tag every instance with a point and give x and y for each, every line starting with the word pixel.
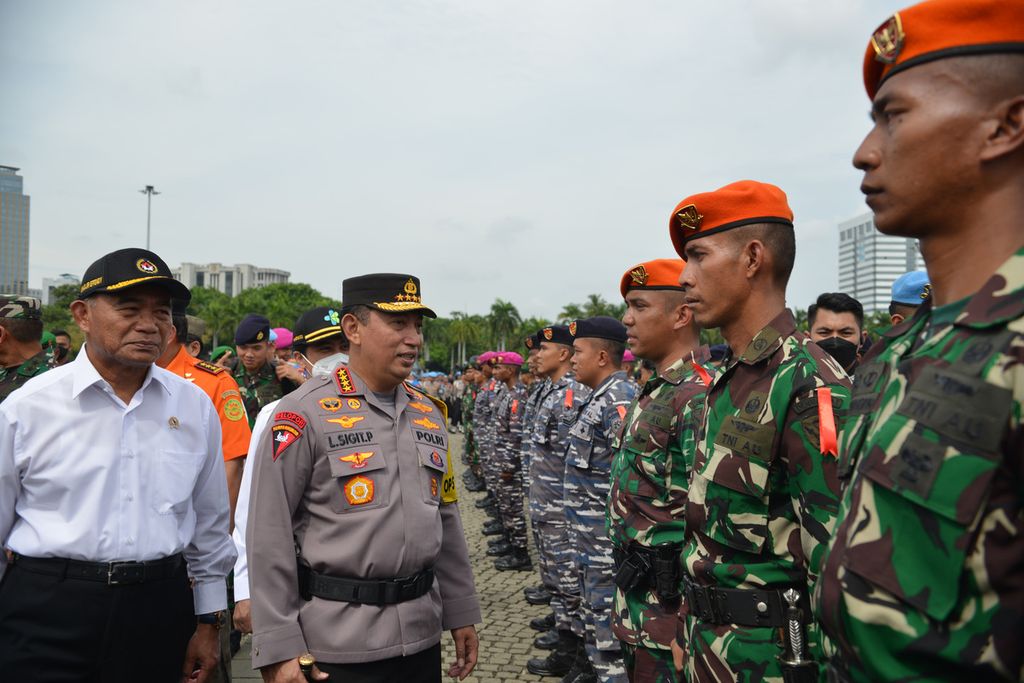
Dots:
pixel 843 351
pixel 325 366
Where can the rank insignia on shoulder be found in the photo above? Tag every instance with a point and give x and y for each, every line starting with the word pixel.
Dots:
pixel 357 460
pixel 422 407
pixel 209 367
pixel 426 423
pixel 330 404
pixel 347 421
pixel 284 436
pixel 359 490
pixel 345 385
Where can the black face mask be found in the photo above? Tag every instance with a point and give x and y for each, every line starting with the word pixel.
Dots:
pixel 843 351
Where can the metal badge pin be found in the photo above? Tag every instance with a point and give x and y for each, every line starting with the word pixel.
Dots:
pixel 173 422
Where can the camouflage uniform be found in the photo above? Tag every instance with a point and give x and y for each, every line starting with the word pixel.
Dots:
pixel 587 466
pixel 508 440
pixel 761 501
pixel 482 432
pixel 13 377
pixel 647 503
pixel 260 388
pixel 549 434
pixel 537 391
pixel 469 444
pixel 923 580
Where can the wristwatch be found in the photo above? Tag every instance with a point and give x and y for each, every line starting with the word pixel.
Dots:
pixel 215 619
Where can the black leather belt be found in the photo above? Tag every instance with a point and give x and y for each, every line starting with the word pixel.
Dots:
pixel 740 606
pixel 110 573
pixel 365 591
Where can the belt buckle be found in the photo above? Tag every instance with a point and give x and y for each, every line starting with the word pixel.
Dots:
pixel 111 568
pixel 117 578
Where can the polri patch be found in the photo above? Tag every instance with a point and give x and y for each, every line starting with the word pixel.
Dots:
pixel 284 436
pixel 359 490
pixel 330 404
pixel 294 418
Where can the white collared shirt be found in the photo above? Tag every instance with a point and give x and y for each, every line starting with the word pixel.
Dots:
pixel 242 506
pixel 85 477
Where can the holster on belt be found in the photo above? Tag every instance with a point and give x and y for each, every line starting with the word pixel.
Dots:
pixel 668 573
pixel 658 569
pixel 633 569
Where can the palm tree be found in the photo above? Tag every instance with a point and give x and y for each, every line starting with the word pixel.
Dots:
pixel 504 319
pixel 571 312
pixel 462 331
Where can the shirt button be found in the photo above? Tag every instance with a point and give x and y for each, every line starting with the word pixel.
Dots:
pixel 129 497
pixel 131 541
pixel 130 454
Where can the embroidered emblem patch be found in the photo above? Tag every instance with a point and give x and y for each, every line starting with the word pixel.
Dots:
pixel 435 458
pixel 357 460
pixel 572 328
pixel 332 317
pixel 294 418
pixel 689 218
pixel 354 404
pixel 345 385
pixel 284 436
pixel 234 410
pixel 347 421
pixel 548 334
pixel 146 266
pixel 639 275
pixel 359 490
pixel 887 41
pixel 529 342
pixel 422 407
pixel 331 405
pixel 426 423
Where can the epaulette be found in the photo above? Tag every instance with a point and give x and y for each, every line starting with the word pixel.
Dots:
pixel 209 367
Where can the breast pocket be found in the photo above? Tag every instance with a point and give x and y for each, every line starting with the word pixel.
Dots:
pixel 733 483
pixel 360 476
pixel 433 465
pixel 173 477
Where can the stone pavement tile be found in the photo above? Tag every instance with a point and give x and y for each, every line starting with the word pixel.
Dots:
pixel 506 639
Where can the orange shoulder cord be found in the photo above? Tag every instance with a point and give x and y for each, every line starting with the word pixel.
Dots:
pixel 828 438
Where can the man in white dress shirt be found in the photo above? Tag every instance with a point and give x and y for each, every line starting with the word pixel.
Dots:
pixel 112 496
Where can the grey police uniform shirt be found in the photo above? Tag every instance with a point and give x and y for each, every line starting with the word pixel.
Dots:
pixel 357 487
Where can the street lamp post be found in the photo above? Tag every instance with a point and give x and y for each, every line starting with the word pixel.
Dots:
pixel 149 191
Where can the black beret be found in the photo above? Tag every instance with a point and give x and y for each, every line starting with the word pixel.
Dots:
pixel 558 334
pixel 252 330
pixel 599 327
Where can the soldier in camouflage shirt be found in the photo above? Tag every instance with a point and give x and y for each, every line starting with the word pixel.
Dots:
pixel 539 594
pixel 508 445
pixel 257 379
pixel 652 463
pixel 474 477
pixel 482 429
pixel 924 580
pixel 598 346
pixel 764 491
pixel 549 436
pixel 22 357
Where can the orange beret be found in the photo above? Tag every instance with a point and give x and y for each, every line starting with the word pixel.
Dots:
pixel 942 28
pixel 745 202
pixel 662 273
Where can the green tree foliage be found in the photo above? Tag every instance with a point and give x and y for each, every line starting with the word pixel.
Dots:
pixel 594 305
pixel 57 314
pixel 504 319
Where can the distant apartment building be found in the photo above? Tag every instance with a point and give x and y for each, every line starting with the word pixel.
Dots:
pixel 228 279
pixel 869 262
pixel 14 223
pixel 52 283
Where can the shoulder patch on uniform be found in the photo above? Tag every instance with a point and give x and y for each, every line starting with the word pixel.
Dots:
pixel 294 418
pixel 420 406
pixel 568 398
pixel 330 404
pixel 449 494
pixel 233 409
pixel 209 367
pixel 345 385
pixel 284 436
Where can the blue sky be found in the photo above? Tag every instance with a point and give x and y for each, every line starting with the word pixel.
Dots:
pixel 525 150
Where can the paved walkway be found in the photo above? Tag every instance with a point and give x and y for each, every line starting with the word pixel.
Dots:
pixel 505 636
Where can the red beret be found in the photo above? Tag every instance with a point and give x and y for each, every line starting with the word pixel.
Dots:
pixel 942 28
pixel 745 202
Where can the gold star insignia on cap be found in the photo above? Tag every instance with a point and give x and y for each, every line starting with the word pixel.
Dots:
pixel 887 41
pixel 689 218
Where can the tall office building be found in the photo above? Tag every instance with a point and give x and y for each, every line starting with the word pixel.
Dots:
pixel 869 262
pixel 52 283
pixel 14 215
pixel 228 279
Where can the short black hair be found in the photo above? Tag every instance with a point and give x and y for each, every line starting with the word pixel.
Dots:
pixel 781 242
pixel 180 323
pixel 615 350
pixel 60 333
pixel 837 302
pixel 23 330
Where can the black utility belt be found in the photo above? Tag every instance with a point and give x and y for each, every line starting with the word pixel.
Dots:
pixel 740 606
pixel 364 591
pixel 110 573
pixel 656 568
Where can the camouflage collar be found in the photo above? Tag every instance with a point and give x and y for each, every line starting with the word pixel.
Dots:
pixel 769 339
pixel 682 368
pixel 1000 300
pixel 31 366
pixel 617 376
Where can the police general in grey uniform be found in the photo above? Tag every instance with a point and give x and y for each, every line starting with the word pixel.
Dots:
pixel 356 549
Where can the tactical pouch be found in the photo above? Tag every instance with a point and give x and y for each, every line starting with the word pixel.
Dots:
pixel 668 573
pixel 304 574
pixel 634 569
